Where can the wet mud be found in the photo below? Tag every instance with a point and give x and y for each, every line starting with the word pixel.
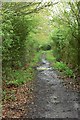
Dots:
pixel 51 98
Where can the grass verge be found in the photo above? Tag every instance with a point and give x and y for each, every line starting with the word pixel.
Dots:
pixel 19 77
pixel 62 67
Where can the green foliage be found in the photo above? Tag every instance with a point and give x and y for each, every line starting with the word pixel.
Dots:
pixel 22 32
pixel 18 47
pixel 21 76
pixel 69 72
pixel 60 66
pixel 64 68
pixel 49 56
pixel 25 74
pixel 36 59
pixel 66 35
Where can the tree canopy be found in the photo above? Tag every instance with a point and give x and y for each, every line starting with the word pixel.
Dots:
pixel 29 26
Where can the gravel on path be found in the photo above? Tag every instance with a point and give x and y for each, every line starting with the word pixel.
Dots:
pixel 51 98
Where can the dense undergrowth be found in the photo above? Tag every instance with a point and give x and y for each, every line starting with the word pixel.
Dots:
pixel 59 65
pixel 25 74
pixel 21 76
pixel 19 48
pixel 66 35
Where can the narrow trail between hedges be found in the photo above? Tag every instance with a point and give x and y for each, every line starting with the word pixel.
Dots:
pixel 51 98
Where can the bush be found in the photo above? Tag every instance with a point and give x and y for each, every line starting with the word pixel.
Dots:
pixel 18 47
pixel 60 66
pixel 63 68
pixel 69 72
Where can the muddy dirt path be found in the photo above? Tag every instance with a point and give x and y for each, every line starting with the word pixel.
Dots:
pixel 52 99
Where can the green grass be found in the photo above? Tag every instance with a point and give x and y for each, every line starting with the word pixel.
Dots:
pixel 49 56
pixel 62 67
pixel 21 76
pixel 36 59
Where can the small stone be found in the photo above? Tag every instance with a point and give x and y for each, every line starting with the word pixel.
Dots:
pixel 56 102
pixel 55 97
pixel 57 115
pixel 32 103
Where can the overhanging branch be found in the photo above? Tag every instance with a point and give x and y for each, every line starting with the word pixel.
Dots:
pixel 39 7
